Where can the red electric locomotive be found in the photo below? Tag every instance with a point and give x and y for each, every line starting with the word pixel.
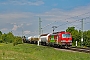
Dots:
pixel 63 39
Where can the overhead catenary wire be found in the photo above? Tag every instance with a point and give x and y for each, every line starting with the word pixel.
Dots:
pixel 81 21
pixel 73 21
pixel 48 24
pixel 64 19
pixel 67 21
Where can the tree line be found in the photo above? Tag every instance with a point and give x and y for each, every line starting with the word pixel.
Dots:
pixel 10 38
pixel 76 36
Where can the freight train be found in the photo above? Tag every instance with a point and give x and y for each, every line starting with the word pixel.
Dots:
pixel 59 39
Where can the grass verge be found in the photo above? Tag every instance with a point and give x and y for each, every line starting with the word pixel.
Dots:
pixel 34 52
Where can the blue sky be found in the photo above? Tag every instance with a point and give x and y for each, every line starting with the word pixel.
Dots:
pixel 18 15
pixel 39 6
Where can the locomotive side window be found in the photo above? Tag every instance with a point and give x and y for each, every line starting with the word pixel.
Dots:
pixel 66 35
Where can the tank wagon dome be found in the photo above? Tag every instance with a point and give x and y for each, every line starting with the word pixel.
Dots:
pixel 35 36
pixel 44 34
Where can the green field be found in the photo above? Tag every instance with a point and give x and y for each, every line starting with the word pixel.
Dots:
pixel 34 52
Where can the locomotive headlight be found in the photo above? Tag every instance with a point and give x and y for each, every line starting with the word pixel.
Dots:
pixel 69 40
pixel 63 40
pixel 66 41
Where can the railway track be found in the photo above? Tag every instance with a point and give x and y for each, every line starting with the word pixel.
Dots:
pixel 86 50
pixel 74 49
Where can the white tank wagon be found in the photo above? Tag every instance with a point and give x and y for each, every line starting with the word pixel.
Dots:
pixel 44 39
pixel 29 39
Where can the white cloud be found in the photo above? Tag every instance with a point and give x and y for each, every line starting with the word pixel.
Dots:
pixel 28 24
pixel 63 16
pixel 36 3
pixel 15 27
pixel 27 18
pixel 26 32
pixel 10 16
pixel 4 29
pixel 13 23
pixel 23 2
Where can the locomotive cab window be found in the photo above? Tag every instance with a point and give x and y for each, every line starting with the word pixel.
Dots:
pixel 66 35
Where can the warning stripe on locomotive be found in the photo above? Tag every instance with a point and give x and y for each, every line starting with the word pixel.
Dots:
pixel 52 39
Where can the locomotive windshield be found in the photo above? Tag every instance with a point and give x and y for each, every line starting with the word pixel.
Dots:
pixel 66 35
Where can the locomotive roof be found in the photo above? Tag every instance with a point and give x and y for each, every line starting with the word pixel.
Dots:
pixel 60 32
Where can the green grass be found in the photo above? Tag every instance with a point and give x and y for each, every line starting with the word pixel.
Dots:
pixel 34 52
